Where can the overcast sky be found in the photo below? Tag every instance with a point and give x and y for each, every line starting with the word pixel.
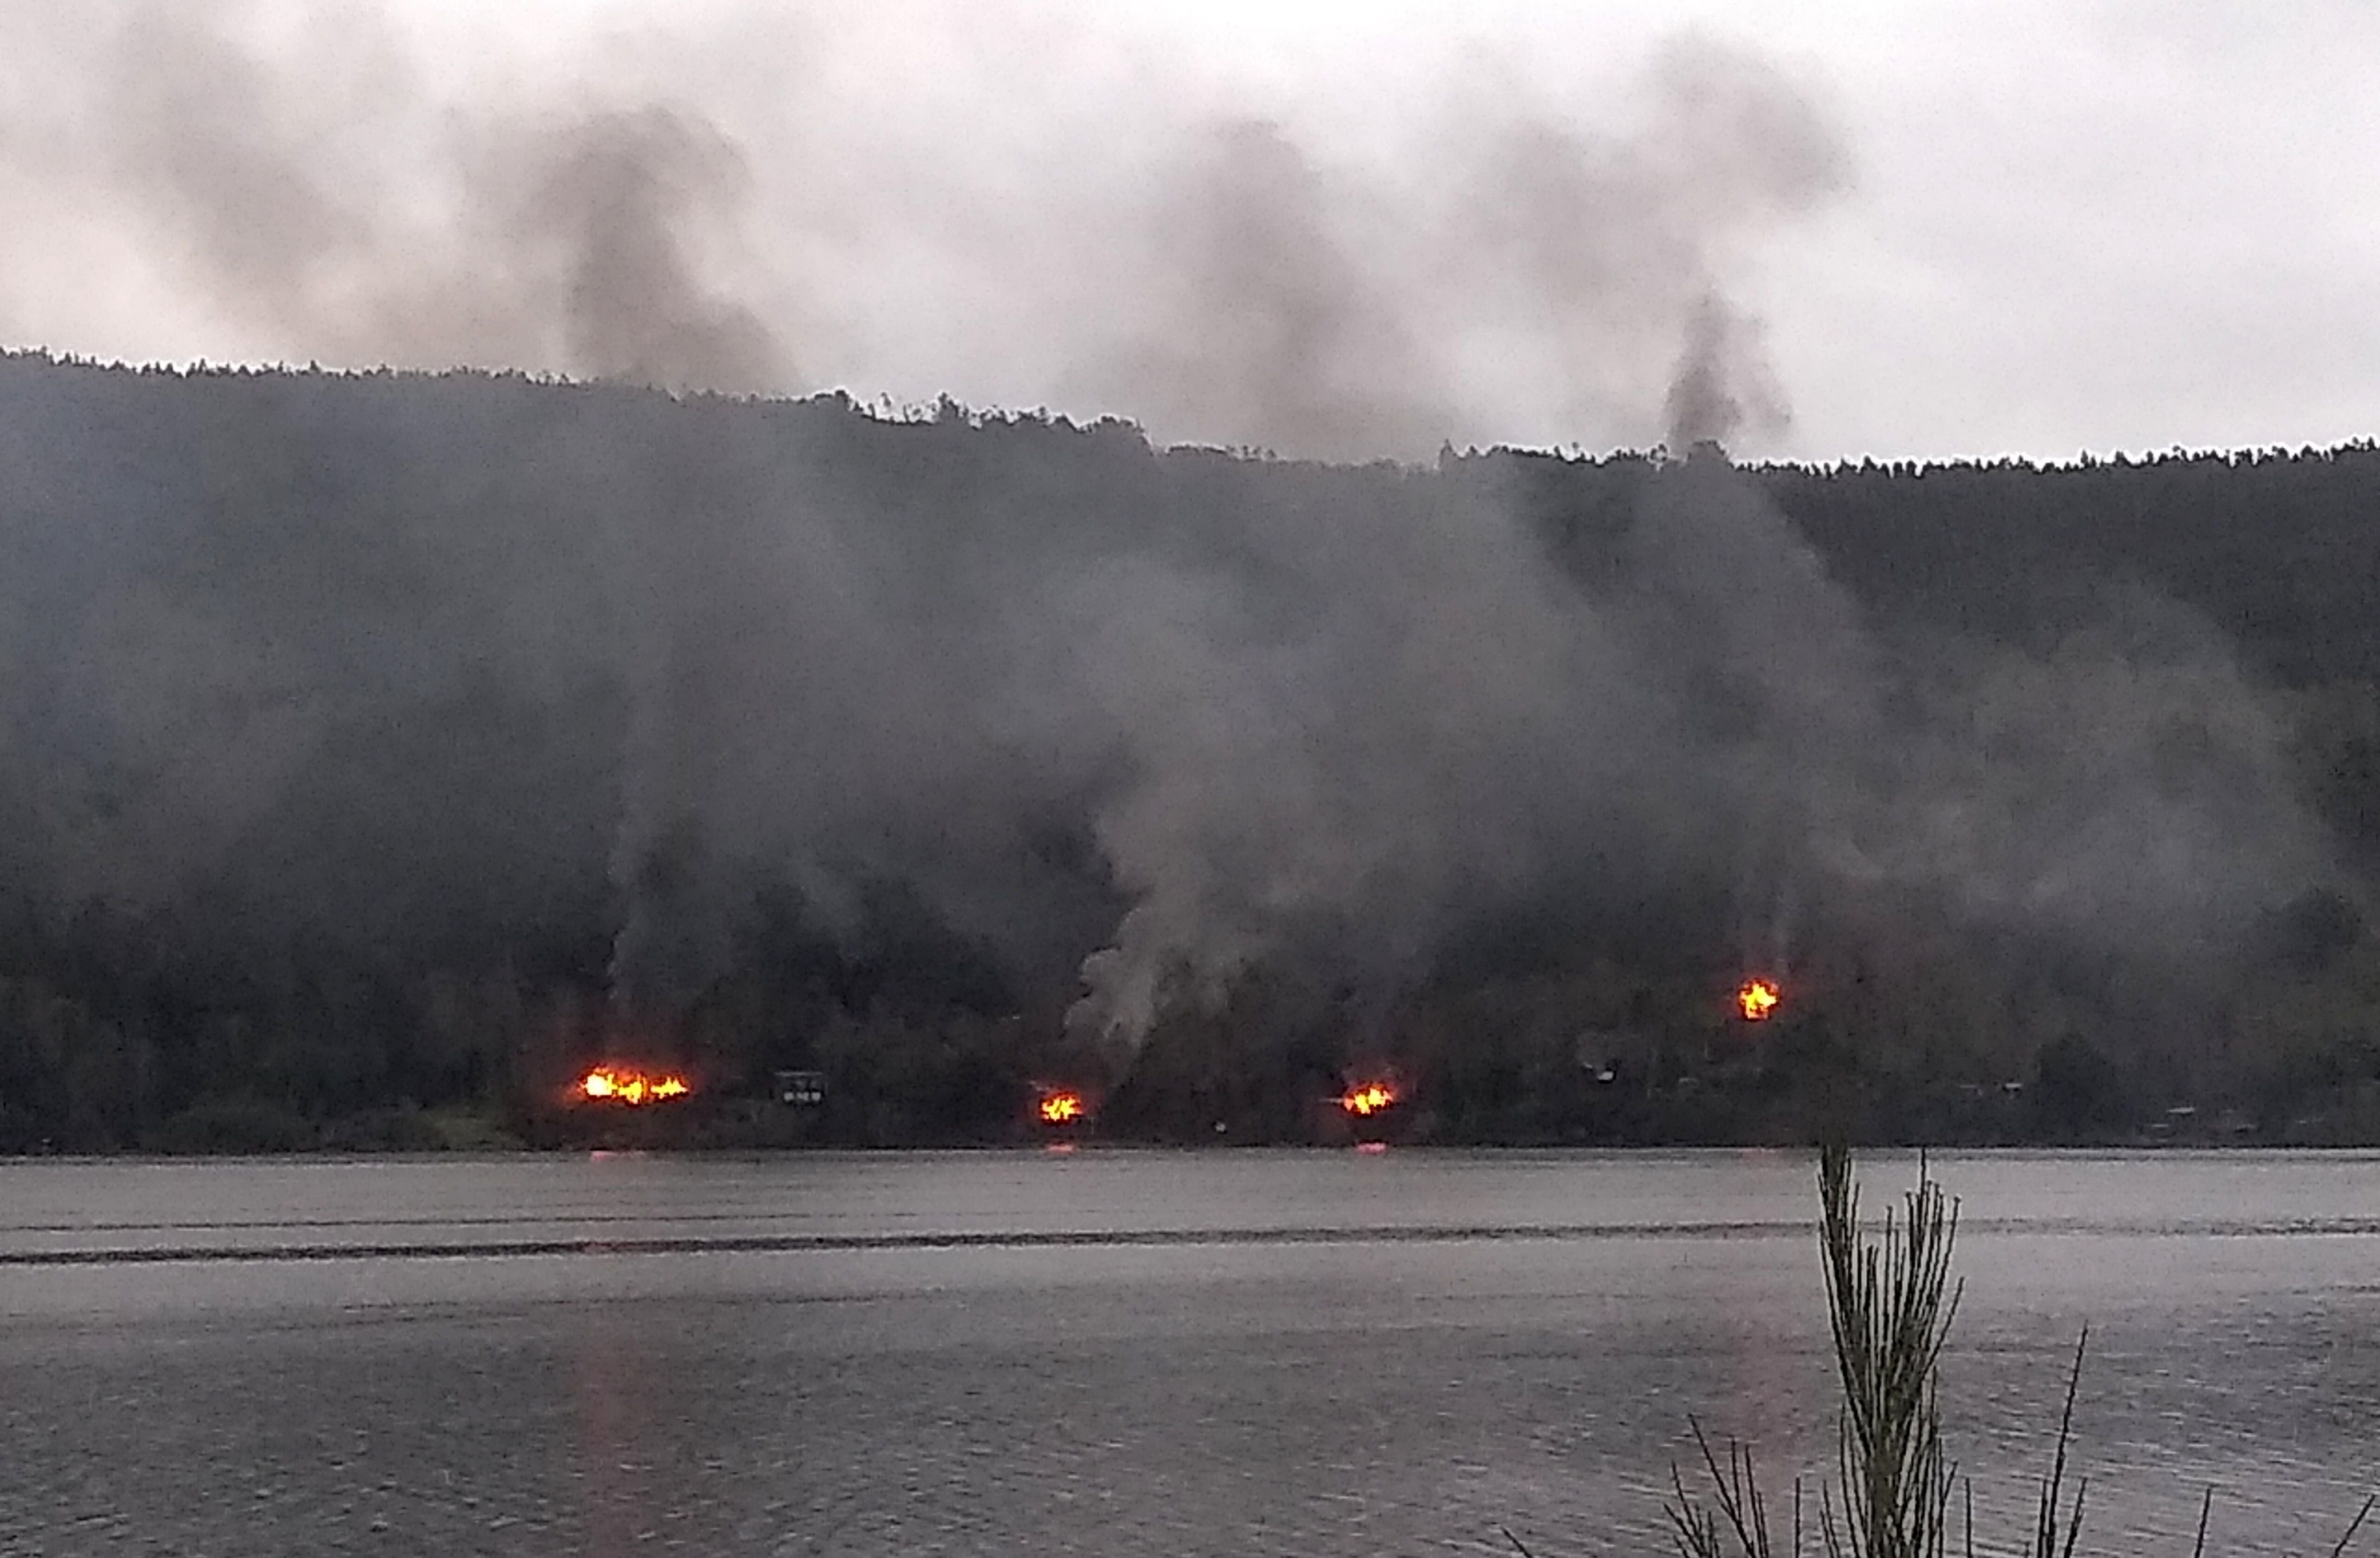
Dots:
pixel 2065 226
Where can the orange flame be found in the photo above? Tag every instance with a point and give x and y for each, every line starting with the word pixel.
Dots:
pixel 1062 1107
pixel 1367 1099
pixel 1756 999
pixel 626 1084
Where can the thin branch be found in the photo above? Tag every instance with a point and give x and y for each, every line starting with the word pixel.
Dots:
pixel 2360 1515
pixel 2047 1516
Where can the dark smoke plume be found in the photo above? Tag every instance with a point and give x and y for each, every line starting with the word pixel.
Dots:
pixel 320 199
pixel 1513 268
pixel 319 190
pixel 613 200
pixel 400 652
pixel 1165 718
pixel 1724 382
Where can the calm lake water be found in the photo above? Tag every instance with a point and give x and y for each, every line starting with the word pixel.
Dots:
pixel 1129 1352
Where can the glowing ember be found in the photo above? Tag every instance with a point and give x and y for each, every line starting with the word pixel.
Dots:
pixel 1061 1107
pixel 1756 999
pixel 1367 1099
pixel 626 1084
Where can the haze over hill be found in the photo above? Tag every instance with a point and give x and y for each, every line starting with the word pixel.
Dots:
pixel 359 730
pixel 386 738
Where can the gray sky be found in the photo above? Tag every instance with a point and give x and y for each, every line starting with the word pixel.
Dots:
pixel 2065 226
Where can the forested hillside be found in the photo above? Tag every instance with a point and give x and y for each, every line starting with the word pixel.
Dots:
pixel 377 751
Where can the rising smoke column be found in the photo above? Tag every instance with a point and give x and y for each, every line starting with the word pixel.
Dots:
pixel 1324 715
pixel 1517 268
pixel 1507 265
pixel 1774 646
pixel 1353 824
pixel 1269 296
pixel 614 203
pixel 1274 320
pixel 1326 721
pixel 1448 726
pixel 314 191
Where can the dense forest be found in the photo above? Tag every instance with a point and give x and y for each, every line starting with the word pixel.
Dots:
pixel 377 752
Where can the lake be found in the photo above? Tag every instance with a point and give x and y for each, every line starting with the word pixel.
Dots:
pixel 1119 1351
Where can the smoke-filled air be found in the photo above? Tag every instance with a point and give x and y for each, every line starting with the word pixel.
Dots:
pixel 1212 714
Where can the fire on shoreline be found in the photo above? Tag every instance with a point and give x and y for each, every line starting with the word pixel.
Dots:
pixel 626 1084
pixel 1365 1099
pixel 1756 999
pixel 1062 1107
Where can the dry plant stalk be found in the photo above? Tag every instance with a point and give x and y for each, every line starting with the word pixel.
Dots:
pixel 1889 1302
